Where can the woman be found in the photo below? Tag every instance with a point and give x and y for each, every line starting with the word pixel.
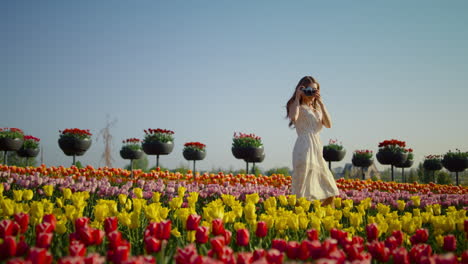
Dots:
pixel 311 177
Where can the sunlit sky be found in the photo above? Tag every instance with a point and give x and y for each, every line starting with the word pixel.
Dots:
pixel 205 69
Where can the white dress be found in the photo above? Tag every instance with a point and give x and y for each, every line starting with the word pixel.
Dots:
pixel 311 177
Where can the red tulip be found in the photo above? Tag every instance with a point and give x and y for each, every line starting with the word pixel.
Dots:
pixel 111 224
pixel 357 240
pixel 421 236
pixel 23 221
pixel 258 254
pixel 448 258
pixel 391 243
pixel 243 237
pixel 115 239
pixel 8 228
pixel 315 249
pixel 217 244
pixel 372 231
pixel 274 256
pixel 140 260
pixel 22 247
pixel 39 256
pixel 50 218
pixel 400 256
pixel 192 222
pixel 312 234
pixel 86 235
pixel 71 260
pixel 279 244
pixel 151 229
pixel 95 259
pixel 292 249
pixel 121 253
pixel 81 222
pixel 465 224
pixel 328 246
pixel 217 227
pixel 163 231
pixel 419 251
pixel 44 227
pixel 8 248
pixel 188 255
pixel 18 261
pixel 43 240
pixel 244 258
pixel 450 243
pixel 98 236
pixel 337 254
pixel 227 255
pixel 262 229
pixel 152 245
pixel 77 249
pixel 464 255
pixel 227 236
pixel 378 251
pixel 202 234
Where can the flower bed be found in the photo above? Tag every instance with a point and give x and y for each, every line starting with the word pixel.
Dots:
pixel 93 219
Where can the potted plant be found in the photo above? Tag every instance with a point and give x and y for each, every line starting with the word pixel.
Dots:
pixel 194 151
pixel 11 139
pixel 131 149
pixel 392 152
pixel 158 142
pixel 333 152
pixel 30 148
pixel 432 162
pixel 248 147
pixel 456 161
pixel 74 142
pixel 363 159
pixel 407 164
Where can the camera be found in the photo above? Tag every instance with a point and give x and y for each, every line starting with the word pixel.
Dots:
pixel 309 91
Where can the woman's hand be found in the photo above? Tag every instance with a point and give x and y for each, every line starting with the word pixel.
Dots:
pixel 299 93
pixel 317 97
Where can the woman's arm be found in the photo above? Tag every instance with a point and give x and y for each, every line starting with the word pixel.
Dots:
pixel 326 120
pixel 294 107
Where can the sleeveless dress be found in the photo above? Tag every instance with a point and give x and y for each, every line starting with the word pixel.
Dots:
pixel 311 177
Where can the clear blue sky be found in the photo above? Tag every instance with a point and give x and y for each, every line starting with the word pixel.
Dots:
pixel 205 69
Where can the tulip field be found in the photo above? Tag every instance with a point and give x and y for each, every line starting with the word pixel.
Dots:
pixel 103 215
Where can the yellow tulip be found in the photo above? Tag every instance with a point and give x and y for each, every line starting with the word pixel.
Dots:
pixel 48 190
pixel 181 191
pixel 122 199
pixel 18 195
pixel 401 205
pixel 348 203
pixel 416 200
pixel 67 193
pixel 283 201
pixel 252 198
pixel 249 211
pixel 59 202
pixel 175 232
pixel 135 219
pixel 303 222
pixel 128 205
pixel 270 203
pixel 175 203
pixel 292 200
pixel 316 223
pixel 28 195
pixel 124 218
pixel 440 240
pixel 101 212
pixel 337 201
pixel 238 225
pixel 8 207
pixel 191 236
pixel 156 197
pixel 138 193
pixel 293 222
pixel 37 211
pixel 61 227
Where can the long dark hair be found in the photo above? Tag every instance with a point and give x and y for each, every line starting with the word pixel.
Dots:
pixel 305 81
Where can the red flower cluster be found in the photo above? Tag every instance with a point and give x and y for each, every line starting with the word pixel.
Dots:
pixel 242 135
pixel 131 141
pixel 197 145
pixel 150 131
pixel 392 143
pixel 11 129
pixel 364 151
pixel 433 157
pixel 28 137
pixel 76 131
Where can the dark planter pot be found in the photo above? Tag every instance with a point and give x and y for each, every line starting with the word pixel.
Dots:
pixel 455 164
pixel 158 148
pixel 131 154
pixel 251 154
pixel 432 165
pixel 257 159
pixel 72 146
pixel 191 154
pixel 238 152
pixel 362 162
pixel 28 152
pixel 390 158
pixel 10 144
pixel 333 154
pixel 407 164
